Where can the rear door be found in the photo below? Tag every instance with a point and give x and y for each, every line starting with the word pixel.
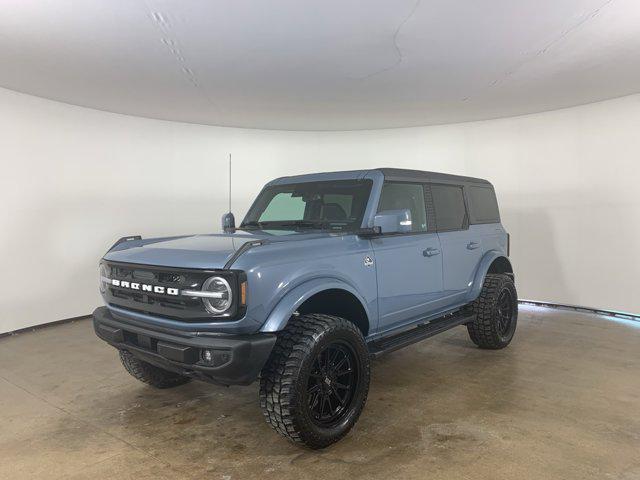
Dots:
pixel 461 246
pixel 485 218
pixel 408 265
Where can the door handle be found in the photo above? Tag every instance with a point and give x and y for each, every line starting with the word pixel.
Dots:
pixel 472 245
pixel 430 252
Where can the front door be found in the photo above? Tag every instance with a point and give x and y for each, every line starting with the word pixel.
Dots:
pixel 409 265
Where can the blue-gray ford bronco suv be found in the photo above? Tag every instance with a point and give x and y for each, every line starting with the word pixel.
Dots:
pixel 324 272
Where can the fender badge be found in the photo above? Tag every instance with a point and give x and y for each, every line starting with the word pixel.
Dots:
pixel 368 261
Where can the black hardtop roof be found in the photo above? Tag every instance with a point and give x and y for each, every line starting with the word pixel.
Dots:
pixel 393 174
pixel 407 175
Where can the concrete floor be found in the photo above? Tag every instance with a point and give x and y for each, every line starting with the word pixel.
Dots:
pixel 563 401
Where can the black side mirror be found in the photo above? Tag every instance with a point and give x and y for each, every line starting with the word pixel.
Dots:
pixel 228 222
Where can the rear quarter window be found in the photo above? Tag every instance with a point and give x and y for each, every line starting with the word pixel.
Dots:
pixel 483 205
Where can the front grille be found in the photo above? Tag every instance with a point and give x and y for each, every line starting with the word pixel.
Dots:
pixel 186 309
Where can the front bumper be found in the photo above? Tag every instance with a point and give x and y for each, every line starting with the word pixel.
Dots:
pixel 236 359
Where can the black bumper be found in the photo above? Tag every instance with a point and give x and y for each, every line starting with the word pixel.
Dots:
pixel 236 359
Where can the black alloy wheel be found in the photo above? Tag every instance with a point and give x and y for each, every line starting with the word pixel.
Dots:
pixel 496 312
pixel 505 311
pixel 314 385
pixel 332 382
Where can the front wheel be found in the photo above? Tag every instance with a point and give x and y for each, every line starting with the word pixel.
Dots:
pixel 315 383
pixel 496 313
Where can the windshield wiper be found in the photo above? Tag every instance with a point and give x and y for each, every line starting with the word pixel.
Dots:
pixel 304 224
pixel 252 224
pixel 272 224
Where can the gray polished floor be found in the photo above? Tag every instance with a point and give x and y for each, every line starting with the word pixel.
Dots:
pixel 563 401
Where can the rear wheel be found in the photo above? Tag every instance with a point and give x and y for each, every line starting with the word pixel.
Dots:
pixel 496 311
pixel 147 373
pixel 315 383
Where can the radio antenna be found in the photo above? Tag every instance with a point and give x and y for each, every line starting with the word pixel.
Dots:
pixel 228 221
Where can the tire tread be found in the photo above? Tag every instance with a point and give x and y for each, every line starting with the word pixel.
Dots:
pixel 483 330
pixel 278 378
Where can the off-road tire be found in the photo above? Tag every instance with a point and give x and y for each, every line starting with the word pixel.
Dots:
pixel 284 381
pixel 147 373
pixel 485 331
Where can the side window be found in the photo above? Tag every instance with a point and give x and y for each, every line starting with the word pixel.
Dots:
pixel 483 205
pixel 398 196
pixel 448 201
pixel 284 206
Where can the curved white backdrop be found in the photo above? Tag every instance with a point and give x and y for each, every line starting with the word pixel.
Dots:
pixel 74 179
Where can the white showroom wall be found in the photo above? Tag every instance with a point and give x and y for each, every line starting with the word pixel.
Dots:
pixel 568 186
pixel 75 179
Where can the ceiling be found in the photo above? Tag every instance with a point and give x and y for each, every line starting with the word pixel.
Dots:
pixel 323 64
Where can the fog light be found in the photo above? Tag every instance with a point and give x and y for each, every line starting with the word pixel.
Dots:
pixel 215 358
pixel 207 355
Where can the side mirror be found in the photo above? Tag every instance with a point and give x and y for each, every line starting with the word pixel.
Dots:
pixel 393 221
pixel 228 222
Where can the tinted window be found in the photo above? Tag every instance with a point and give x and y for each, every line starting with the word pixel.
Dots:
pixel 340 202
pixel 283 206
pixel 448 201
pixel 400 196
pixel 336 205
pixel 483 205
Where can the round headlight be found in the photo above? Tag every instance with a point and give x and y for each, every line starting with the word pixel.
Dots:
pixel 102 278
pixel 221 301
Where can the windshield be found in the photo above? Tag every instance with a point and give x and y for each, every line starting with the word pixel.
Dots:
pixel 336 205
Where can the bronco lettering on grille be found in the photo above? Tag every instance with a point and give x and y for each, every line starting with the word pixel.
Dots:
pixel 144 287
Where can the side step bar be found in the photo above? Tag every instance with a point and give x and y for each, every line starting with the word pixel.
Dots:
pixel 416 334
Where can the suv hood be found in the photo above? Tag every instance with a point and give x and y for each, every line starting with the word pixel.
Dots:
pixel 211 251
pixel 194 251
